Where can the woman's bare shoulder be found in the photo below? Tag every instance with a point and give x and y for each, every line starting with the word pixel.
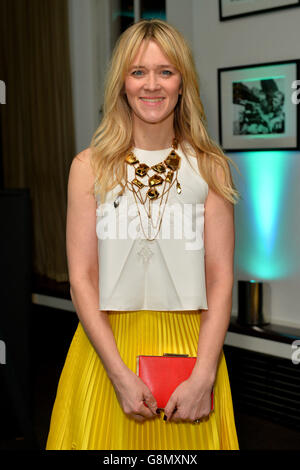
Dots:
pixel 83 159
pixel 81 169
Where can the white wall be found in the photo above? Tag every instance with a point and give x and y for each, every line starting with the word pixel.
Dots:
pixel 89 50
pixel 272 36
pixel 180 14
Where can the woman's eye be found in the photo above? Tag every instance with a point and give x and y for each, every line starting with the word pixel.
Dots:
pixel 137 73
pixel 167 72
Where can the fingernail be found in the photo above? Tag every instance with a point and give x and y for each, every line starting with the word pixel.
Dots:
pixel 165 417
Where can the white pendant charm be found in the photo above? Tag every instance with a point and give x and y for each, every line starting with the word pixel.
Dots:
pixel 117 202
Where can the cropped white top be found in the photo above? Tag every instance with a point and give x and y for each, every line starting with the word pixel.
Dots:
pixel 167 273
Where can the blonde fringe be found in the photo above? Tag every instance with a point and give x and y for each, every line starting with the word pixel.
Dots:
pixel 114 137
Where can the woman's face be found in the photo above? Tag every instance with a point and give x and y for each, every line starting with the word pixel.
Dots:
pixel 152 85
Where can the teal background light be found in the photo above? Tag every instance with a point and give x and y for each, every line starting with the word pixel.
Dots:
pixel 261 252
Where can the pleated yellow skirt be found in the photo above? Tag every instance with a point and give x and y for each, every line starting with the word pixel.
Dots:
pixel 87 415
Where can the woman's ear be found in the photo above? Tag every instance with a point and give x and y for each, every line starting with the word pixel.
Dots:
pixel 180 89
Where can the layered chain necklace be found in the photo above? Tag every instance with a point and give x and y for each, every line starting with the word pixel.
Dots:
pixel 164 176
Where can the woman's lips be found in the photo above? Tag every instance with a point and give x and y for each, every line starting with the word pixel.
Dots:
pixel 152 101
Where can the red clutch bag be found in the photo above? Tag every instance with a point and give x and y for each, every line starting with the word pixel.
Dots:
pixel 162 374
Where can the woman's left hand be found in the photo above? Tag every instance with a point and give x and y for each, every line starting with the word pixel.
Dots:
pixel 190 401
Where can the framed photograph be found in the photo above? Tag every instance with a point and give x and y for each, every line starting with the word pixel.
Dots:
pixel 258 107
pixel 230 9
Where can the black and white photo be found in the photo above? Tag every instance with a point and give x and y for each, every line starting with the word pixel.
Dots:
pixel 256 109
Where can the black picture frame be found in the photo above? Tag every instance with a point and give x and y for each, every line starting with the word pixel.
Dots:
pixel 242 11
pixel 259 106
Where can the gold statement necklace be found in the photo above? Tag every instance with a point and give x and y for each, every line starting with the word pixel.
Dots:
pixel 164 175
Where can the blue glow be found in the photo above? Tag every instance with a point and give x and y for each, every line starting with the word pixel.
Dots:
pixel 266 177
pixel 260 231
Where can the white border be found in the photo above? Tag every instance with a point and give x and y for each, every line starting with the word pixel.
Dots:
pixel 240 7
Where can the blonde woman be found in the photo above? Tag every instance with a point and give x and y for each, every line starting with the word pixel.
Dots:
pixel 138 287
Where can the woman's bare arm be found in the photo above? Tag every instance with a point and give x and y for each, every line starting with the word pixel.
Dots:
pixel 219 253
pixel 82 254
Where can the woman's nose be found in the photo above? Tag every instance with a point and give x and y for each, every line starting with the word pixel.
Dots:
pixel 152 82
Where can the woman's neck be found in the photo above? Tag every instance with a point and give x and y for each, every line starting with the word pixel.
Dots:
pixel 153 136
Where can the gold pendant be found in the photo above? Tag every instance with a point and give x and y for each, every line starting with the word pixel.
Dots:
pixel 155 180
pixel 131 159
pixel 142 170
pixel 173 161
pixel 138 183
pixel 169 177
pixel 159 168
pixel 152 193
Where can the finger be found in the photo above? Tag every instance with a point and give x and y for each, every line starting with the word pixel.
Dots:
pixel 144 411
pixel 150 402
pixel 153 413
pixel 169 409
pixel 175 417
pixel 152 407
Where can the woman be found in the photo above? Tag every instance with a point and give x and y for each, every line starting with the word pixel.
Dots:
pixel 157 294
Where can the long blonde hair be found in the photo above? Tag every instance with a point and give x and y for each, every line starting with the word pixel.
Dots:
pixel 114 137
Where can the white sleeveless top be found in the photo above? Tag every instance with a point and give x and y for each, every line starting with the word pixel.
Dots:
pixel 167 273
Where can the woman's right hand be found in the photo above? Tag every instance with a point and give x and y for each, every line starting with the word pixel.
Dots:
pixel 133 394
